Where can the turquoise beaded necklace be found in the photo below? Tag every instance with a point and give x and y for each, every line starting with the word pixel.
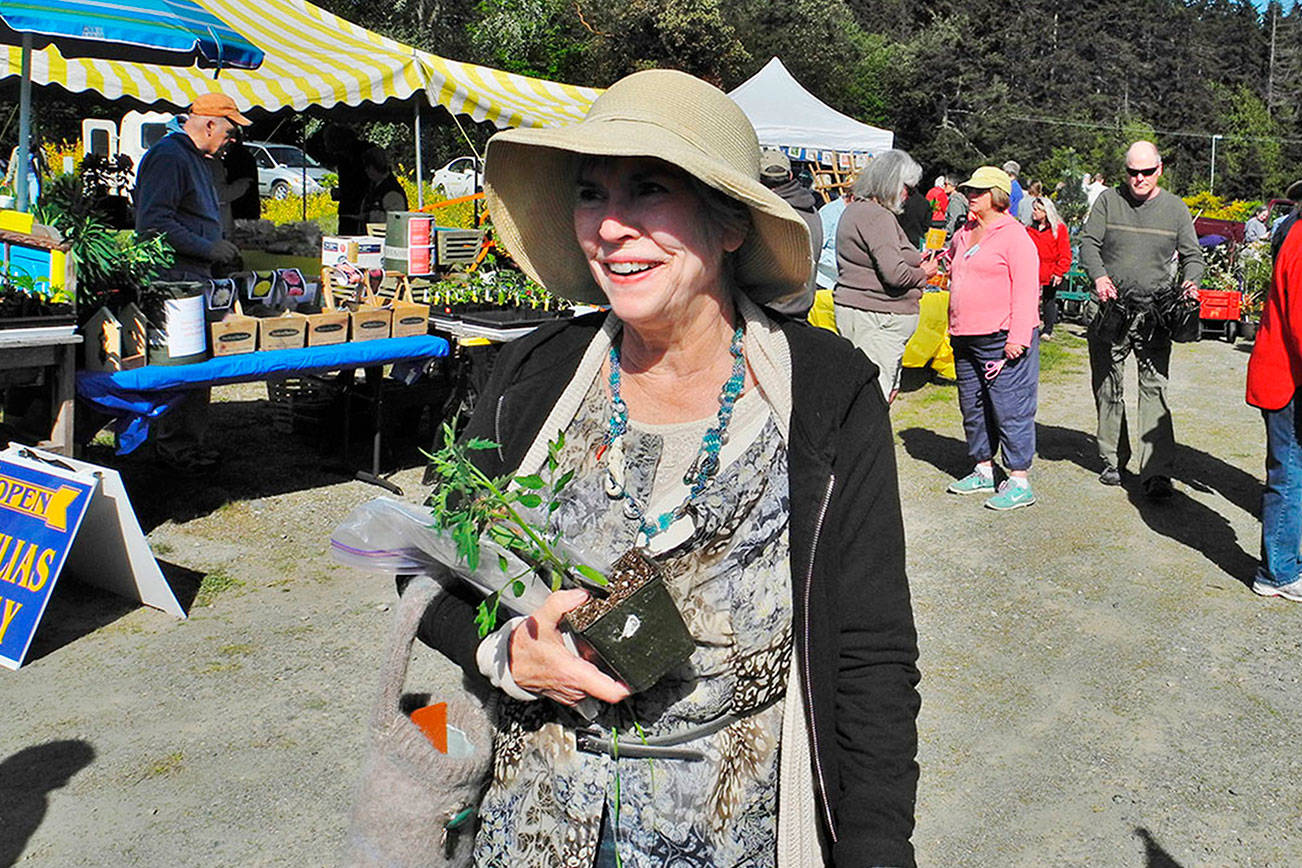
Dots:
pixel 705 466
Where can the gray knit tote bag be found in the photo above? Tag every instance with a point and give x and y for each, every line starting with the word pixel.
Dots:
pixel 410 791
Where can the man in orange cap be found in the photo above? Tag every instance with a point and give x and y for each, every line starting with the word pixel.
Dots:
pixel 174 192
pixel 175 198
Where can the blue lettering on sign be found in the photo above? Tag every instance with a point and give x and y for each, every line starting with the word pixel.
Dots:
pixel 40 514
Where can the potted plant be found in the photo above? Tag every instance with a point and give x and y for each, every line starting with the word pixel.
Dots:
pixel 1257 268
pixel 26 302
pixel 113 267
pixel 631 620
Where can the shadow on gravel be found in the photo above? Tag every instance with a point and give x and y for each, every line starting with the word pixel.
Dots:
pixel 1189 523
pixel 260 461
pixel 25 780
pixel 185 582
pixel 77 609
pixel 1197 469
pixel 1154 855
pixel 946 454
pixel 1204 472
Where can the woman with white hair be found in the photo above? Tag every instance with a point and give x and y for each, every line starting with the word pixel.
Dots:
pixel 1053 243
pixel 880 275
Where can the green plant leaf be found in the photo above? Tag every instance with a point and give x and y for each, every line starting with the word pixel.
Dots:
pixel 590 574
pixel 517 588
pixel 530 500
pixel 533 481
pixel 563 481
pixel 502 565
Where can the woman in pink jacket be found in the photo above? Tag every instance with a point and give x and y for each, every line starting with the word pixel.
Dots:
pixel 994 296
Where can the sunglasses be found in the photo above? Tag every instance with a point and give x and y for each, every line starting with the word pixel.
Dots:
pixel 1147 173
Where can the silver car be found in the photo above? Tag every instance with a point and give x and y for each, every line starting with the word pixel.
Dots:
pixel 280 170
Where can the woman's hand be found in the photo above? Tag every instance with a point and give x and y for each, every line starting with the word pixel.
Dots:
pixel 930 266
pixel 1012 350
pixel 540 662
pixel 1056 280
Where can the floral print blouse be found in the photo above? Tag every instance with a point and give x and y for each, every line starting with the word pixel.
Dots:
pixel 730 576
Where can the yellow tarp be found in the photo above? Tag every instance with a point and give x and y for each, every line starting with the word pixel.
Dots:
pixel 316 58
pixel 930 341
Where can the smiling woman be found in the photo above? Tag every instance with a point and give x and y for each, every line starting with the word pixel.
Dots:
pixel 750 456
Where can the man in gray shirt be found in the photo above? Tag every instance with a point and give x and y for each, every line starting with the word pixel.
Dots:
pixel 1129 245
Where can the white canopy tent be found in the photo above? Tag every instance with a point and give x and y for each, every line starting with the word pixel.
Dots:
pixel 787 116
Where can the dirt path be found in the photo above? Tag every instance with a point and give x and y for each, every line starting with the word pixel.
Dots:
pixel 1099 685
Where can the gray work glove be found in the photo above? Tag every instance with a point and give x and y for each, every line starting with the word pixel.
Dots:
pixel 224 251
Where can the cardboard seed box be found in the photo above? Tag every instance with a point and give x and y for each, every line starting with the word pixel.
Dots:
pixel 285 332
pixel 235 333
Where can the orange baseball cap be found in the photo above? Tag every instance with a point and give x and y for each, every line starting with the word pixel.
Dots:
pixel 218 105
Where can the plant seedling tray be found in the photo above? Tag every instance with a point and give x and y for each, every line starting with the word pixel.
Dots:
pixel 514 317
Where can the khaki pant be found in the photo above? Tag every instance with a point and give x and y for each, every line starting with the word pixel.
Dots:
pixel 881 336
pixel 1156 436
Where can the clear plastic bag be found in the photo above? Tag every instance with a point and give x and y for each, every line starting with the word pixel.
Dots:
pixel 389 536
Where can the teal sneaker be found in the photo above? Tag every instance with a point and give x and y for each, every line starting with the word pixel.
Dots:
pixel 973 483
pixel 1011 496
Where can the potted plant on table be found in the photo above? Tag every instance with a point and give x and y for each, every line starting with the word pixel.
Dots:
pixel 631 620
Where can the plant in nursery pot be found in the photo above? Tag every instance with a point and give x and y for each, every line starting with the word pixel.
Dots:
pixel 631 620
pixel 1258 266
pixel 24 300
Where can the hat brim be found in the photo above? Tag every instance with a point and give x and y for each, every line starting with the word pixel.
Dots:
pixel 1294 191
pixel 529 185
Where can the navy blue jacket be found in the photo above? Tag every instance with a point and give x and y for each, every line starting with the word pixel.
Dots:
pixel 175 198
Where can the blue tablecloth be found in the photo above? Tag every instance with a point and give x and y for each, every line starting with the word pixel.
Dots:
pixel 138 397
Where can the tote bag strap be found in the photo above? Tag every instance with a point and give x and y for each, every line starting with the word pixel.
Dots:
pixel 415 599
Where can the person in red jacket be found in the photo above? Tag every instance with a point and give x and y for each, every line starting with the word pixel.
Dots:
pixel 1274 380
pixel 1053 244
pixel 939 201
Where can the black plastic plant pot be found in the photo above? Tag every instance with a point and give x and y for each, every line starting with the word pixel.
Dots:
pixel 637 630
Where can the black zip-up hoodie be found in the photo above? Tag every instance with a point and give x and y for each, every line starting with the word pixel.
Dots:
pixel 853 621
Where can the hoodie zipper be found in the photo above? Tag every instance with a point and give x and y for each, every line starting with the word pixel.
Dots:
pixel 807 685
pixel 497 425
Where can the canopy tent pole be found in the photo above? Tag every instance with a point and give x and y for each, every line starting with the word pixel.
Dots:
pixel 24 124
pixel 302 147
pixel 420 173
pixel 479 160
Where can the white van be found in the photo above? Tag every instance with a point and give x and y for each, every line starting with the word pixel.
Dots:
pixel 138 132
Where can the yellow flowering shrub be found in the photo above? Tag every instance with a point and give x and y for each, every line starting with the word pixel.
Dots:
pixel 1218 208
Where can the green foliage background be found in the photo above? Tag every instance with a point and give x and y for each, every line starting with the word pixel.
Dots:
pixel 1060 87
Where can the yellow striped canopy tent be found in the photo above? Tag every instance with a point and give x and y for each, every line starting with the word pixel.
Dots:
pixel 314 58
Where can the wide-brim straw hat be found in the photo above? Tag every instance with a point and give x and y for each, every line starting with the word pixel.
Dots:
pixel 530 180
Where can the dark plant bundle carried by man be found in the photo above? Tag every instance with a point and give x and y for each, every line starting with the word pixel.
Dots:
pixel 1177 312
pixel 1111 321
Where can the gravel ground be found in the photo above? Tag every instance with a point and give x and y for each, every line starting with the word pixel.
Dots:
pixel 1099 686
